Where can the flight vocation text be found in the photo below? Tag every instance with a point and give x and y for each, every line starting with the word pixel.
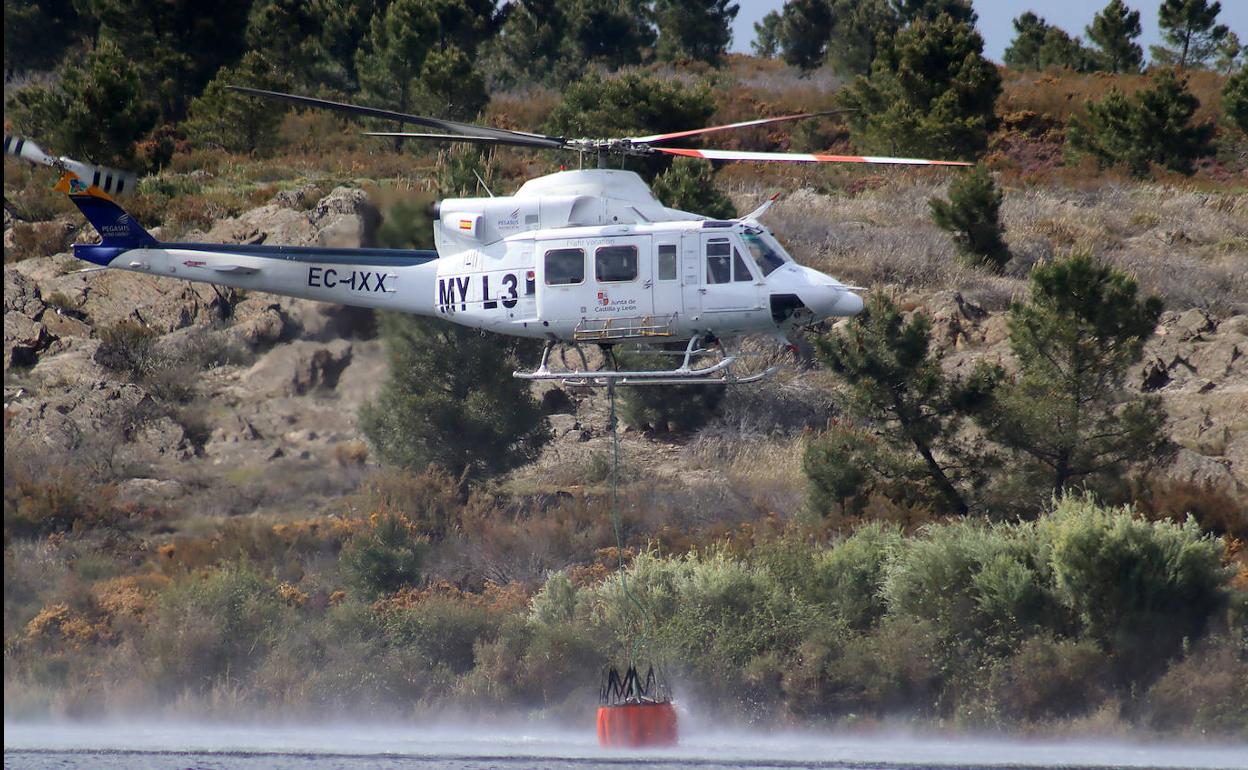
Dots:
pixel 454 291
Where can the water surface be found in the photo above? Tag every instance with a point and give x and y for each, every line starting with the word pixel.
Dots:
pixel 167 745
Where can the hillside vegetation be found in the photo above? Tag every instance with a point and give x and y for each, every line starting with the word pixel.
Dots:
pixel 233 504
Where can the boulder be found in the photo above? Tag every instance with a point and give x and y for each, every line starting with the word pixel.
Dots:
pixel 1194 468
pixel 1194 323
pixel 24 339
pixel 298 368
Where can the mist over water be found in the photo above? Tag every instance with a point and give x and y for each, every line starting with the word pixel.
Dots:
pixel 160 744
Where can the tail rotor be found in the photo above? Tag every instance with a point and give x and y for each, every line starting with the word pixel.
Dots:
pixel 109 180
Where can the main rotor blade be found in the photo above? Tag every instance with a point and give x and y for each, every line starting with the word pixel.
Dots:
pixel 804 157
pixel 744 124
pixel 451 138
pixel 467 129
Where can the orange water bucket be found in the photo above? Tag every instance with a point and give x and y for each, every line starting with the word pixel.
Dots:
pixel 637 725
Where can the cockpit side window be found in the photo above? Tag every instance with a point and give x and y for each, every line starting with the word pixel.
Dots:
pixel 767 259
pixel 718 261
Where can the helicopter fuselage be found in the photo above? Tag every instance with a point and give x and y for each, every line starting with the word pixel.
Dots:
pixel 575 256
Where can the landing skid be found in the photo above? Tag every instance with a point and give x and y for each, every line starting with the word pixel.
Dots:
pixel 718 373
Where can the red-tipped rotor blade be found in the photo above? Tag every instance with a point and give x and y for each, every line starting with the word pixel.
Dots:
pixel 805 157
pixel 744 124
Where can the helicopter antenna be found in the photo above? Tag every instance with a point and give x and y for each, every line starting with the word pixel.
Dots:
pixel 482 181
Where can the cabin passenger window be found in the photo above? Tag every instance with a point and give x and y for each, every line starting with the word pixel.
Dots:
pixel 718 261
pixel 667 262
pixel 615 263
pixel 739 271
pixel 565 266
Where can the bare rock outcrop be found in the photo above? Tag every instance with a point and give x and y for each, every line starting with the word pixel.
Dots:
pixel 343 218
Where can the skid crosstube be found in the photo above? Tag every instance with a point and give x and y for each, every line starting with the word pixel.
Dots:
pixel 718 373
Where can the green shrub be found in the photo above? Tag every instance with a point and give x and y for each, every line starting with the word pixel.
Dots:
pixel 1138 587
pixel 450 400
pixel 1235 99
pixel 973 215
pixel 689 185
pixel 128 347
pixel 931 93
pixel 978 585
pixel 94 113
pixel 441 630
pixel 1203 693
pixel 666 408
pixel 1150 126
pixel 209 626
pixel 848 577
pixel 383 557
pixel 1049 679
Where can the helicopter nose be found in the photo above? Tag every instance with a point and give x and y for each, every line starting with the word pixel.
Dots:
pixel 828 298
pixel 827 301
pixel 848 303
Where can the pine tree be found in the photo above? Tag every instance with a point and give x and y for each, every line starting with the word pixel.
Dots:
pixel 931 93
pixel 929 10
pixel 766 43
pixel 288 31
pixel 37 34
pixel 1151 126
pixel 629 104
pixel 176 46
pixel 805 27
pixel 1024 51
pixel 1062 51
pixel 231 121
pixel 689 185
pixel 450 400
pixel 698 30
pixel 1114 31
pixel 1230 54
pixel 898 387
pixel 1235 99
pixel 97 111
pixel 536 43
pixel 973 215
pixel 610 33
pixel 1065 414
pixel 344 25
pixel 860 29
pixel 395 65
pixel 1191 29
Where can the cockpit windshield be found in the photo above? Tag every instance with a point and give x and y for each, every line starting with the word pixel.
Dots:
pixel 766 256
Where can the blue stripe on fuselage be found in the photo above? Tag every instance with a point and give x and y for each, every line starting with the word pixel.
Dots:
pixel 344 256
pixel 103 255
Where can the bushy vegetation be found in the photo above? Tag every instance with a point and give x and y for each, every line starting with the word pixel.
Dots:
pixel 812 565
pixel 931 91
pixel 975 624
pixel 451 400
pixel 1154 126
pixel 973 214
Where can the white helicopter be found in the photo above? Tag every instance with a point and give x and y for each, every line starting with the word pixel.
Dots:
pixel 584 256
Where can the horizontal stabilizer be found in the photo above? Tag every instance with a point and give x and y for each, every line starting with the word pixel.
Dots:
pixel 236 269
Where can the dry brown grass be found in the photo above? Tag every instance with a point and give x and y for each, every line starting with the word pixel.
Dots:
pixel 1063 94
pixel 1189 247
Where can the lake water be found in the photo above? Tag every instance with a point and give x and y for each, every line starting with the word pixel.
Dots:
pixel 181 746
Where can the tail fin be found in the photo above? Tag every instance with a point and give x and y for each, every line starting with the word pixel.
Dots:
pixel 118 230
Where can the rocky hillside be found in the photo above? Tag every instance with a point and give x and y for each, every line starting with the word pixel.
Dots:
pixel 248 403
